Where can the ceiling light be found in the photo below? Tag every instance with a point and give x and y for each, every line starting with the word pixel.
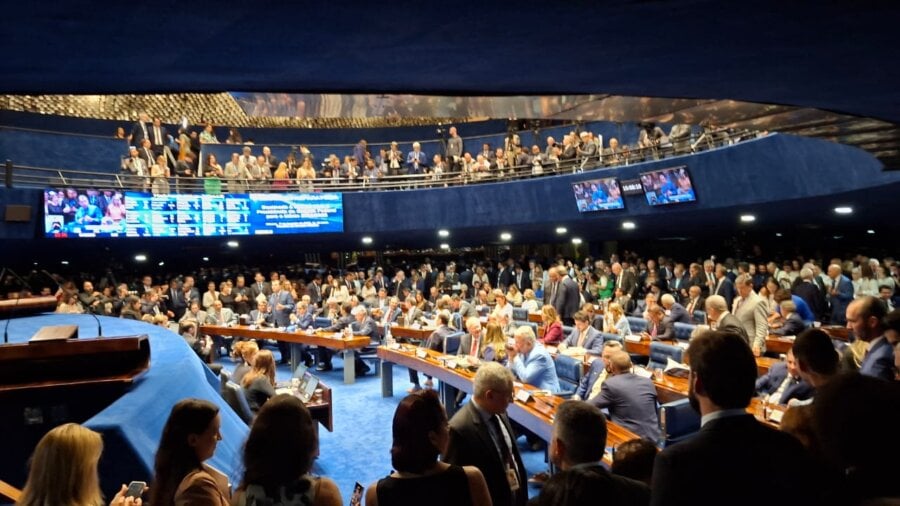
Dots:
pixel 233 244
pixel 206 259
pixel 367 240
pixel 445 246
pixel 64 262
pixel 443 233
pixel 161 264
pixel 870 231
pixel 628 225
pixel 561 230
pixel 843 210
pixel 576 240
pixel 505 236
pixel 140 258
pixel 777 234
pixel 748 218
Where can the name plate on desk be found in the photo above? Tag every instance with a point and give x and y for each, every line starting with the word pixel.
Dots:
pixel 451 364
pixel 394 346
pixel 421 353
pixel 523 395
pixel 775 415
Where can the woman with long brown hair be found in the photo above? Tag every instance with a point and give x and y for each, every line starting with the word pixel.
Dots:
pixel 259 382
pixel 553 333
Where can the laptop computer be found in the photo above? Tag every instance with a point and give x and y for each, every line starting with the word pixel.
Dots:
pixel 308 386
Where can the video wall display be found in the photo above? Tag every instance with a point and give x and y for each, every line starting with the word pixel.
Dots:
pixel 598 195
pixel 184 215
pixel 668 186
pixel 73 212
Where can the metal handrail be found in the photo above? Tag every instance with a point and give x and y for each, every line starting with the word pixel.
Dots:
pixel 40 177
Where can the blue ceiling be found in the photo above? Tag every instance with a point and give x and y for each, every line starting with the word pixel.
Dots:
pixel 838 56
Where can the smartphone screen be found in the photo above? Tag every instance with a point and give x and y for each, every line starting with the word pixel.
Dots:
pixel 135 489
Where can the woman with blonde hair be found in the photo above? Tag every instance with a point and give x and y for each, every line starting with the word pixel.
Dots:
pixel 63 470
pixel 245 352
pixel 259 382
pixel 494 339
pixel 514 296
pixel 553 333
pixel 530 303
pixel 614 322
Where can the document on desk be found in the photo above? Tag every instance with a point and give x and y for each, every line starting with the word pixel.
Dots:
pixel 634 338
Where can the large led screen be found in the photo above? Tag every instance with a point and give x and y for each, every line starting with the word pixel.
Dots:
pixel 598 195
pixel 74 212
pixel 185 215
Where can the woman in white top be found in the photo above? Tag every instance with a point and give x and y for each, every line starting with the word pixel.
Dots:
pixel 480 276
pixel 866 284
pixel 502 307
pixel 530 303
pixel 210 296
pixel 514 296
pixel 884 279
pixel 615 322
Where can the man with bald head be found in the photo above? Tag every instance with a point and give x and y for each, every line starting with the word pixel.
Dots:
pixel 718 317
pixel 840 293
pixel 624 279
pixel 630 399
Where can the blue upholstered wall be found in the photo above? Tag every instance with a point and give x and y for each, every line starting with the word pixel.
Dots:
pixel 772 169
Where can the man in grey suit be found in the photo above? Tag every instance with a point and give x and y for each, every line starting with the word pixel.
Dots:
pixel 220 316
pixel 568 298
pixel 281 303
pixel 718 318
pixel 624 279
pixel 630 399
pixel 724 286
pixel 752 311
pixel 583 335
pixel 465 309
pixel 481 436
pixel 676 312
pixel 454 150
pixel 471 342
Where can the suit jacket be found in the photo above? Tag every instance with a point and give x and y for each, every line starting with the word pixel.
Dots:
pixel 282 317
pixel 267 317
pixel 676 284
pixel 725 288
pixel 728 322
pixel 436 339
pixel 770 382
pixel 471 444
pixel 467 310
pixel 465 345
pixel 791 327
pixel 366 328
pixel 813 296
pixel 506 276
pixel 631 401
pixel 628 284
pixel 315 293
pixel 391 316
pixel 691 472
pixel 677 313
pixel 595 372
pixel 615 489
pixel 753 313
pixel 665 330
pixel 255 290
pixel 840 301
pixel 537 369
pixel 568 298
pixel 700 305
pixel 879 361
pixel 593 341
pixel 522 281
pixel 407 318
pixel 227 317
pixel 137 132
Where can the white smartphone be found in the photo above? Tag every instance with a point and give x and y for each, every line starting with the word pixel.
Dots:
pixel 135 489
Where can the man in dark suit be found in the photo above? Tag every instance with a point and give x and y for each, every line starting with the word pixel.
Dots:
pixel 522 279
pixel 658 327
pixel 506 275
pixel 722 381
pixel 314 290
pixel 791 323
pixel 568 298
pixel 481 436
pixel 678 285
pixel 695 302
pixel 624 280
pixel 583 335
pixel 865 317
pixel 630 399
pixel 718 318
pixel 593 379
pixel 724 286
pixel 840 293
pixel 281 303
pixel 260 287
pixel 809 291
pixel 696 278
pixel 783 382
pixel 159 137
pixel 139 130
pixel 177 303
pixel 676 312
pixel 577 444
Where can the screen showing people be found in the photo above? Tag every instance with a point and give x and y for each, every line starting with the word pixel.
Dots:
pixel 668 186
pixel 104 213
pixel 71 212
pixel 598 195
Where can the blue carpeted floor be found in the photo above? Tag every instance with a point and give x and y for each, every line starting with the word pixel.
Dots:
pixel 359 448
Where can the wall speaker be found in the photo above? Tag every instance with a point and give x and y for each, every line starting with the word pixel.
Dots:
pixel 18 213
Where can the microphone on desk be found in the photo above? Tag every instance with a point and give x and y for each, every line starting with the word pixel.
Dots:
pixel 9 317
pixel 99 327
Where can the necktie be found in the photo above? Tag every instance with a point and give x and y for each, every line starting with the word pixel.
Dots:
pixel 504 444
pixel 598 385
pixel 690 308
pixel 653 331
pixel 158 136
pixel 473 351
pixel 581 338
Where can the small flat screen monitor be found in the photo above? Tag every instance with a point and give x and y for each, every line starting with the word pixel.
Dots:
pixel 598 195
pixel 668 186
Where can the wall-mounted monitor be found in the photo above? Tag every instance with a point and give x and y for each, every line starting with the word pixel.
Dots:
pixel 668 186
pixel 84 212
pixel 188 215
pixel 598 195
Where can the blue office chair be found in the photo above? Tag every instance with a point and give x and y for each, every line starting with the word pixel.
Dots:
pixel 534 326
pixel 637 325
pixel 659 352
pixel 236 398
pixel 520 314
pixel 612 337
pixel 699 317
pixel 683 331
pixel 566 330
pixel 321 322
pixel 451 343
pixel 568 370
pixel 678 421
pixel 457 321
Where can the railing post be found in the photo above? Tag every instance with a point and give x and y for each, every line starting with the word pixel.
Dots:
pixel 8 174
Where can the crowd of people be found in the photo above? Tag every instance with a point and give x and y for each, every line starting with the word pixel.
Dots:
pixel 155 157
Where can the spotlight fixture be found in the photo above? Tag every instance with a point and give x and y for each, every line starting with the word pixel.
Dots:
pixel 843 210
pixel 161 264
pixel 64 262
pixel 505 236
pixel 777 234
pixel 206 259
pixel 445 246
pixel 443 233
pixel 576 240
pixel 628 225
pixel 367 240
pixel 561 230
pixel 233 244
pixel 870 231
pixel 140 258
pixel 748 218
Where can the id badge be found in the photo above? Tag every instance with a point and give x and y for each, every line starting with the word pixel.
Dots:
pixel 512 478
